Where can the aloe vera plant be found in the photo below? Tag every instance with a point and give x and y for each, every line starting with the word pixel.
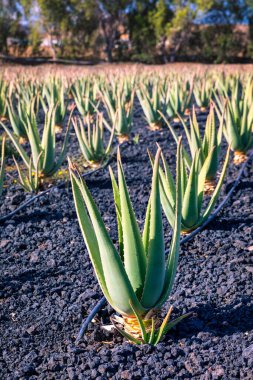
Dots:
pixel 179 96
pixel 18 117
pixel 27 88
pixel 29 178
pixel 138 278
pixel 43 150
pixel 84 93
pixel 151 102
pixel 192 194
pixel 2 164
pixel 210 143
pixel 120 111
pixel 92 143
pixel 229 85
pixel 53 92
pixel 202 90
pixel 238 123
pixel 3 98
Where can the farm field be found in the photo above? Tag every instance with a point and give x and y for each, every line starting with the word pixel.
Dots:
pixel 48 285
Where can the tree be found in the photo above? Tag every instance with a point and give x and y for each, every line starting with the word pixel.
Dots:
pixel 71 22
pixel 113 16
pixel 9 22
pixel 141 30
pixel 159 18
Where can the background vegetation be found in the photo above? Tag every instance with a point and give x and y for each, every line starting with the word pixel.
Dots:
pixel 151 31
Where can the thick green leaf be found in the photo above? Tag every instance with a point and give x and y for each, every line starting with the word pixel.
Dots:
pixel 15 121
pixel 170 181
pixel 167 194
pixel 134 255
pixel 195 143
pixel 190 210
pixel 118 212
pixel 155 272
pixel 146 230
pixel 212 145
pixel 48 141
pixel 172 261
pixel 147 106
pixel 231 129
pixel 152 332
pixel 64 148
pixel 2 165
pixel 202 177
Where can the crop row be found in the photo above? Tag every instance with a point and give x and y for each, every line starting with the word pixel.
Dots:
pixel 138 278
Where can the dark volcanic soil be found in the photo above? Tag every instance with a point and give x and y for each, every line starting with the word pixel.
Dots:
pixel 48 286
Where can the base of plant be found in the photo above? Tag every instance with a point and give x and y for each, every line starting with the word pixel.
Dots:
pixel 176 120
pixel 94 164
pixel 157 126
pixel 149 329
pixel 239 157
pixel 3 118
pixel 58 129
pixel 22 140
pixel 209 186
pixel 131 325
pixel 185 233
pixel 203 109
pixel 122 138
pixel 187 112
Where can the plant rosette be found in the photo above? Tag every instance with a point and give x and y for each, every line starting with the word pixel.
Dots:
pixel 123 138
pixel 239 157
pixel 156 126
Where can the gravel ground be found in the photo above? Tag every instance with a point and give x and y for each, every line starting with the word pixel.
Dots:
pixel 47 287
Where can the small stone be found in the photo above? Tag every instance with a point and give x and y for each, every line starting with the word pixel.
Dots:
pixel 4 243
pixel 31 329
pixel 192 364
pixel 34 258
pixel 125 375
pixel 71 372
pixel 248 352
pixel 51 263
pixel 217 373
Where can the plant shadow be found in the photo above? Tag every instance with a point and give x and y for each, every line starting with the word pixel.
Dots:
pixel 241 186
pixel 218 321
pixel 228 224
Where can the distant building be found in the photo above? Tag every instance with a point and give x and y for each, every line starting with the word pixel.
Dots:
pixel 49 41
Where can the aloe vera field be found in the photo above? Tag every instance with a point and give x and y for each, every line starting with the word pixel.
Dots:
pixel 126 222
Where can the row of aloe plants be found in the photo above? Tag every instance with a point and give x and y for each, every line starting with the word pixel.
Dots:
pixel 138 279
pixel 233 105
pixel 169 94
